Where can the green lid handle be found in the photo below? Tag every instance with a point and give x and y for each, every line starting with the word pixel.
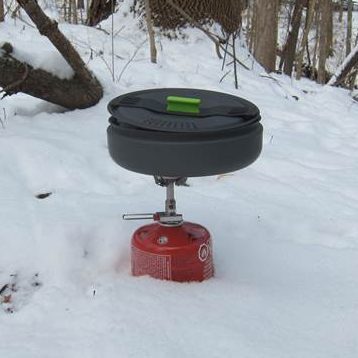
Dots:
pixel 183 104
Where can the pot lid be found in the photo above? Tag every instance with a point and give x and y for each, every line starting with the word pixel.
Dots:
pixel 182 110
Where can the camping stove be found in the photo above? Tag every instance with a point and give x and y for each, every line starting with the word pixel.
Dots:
pixel 170 248
pixel 174 134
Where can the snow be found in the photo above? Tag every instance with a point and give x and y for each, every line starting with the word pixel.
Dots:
pixel 48 60
pixel 285 229
pixel 35 50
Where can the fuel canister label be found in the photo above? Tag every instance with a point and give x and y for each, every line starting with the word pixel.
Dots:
pixel 206 257
pixel 145 263
pixel 203 252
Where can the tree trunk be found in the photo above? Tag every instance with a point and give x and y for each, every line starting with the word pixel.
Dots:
pixel 325 16
pixel 148 18
pixel 265 33
pixel 250 28
pixel 2 13
pixel 65 10
pixel 330 30
pixel 340 16
pixel 314 57
pixel 69 18
pixel 291 43
pixel 100 10
pixel 309 19
pixel 74 12
pixel 82 91
pixel 349 27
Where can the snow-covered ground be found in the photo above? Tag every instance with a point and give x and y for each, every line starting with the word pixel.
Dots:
pixel 285 229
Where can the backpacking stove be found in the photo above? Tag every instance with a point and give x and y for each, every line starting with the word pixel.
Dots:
pixel 193 133
pixel 171 248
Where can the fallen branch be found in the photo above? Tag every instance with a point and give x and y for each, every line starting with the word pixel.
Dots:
pixel 81 91
pixel 345 68
pixel 38 83
pixel 7 89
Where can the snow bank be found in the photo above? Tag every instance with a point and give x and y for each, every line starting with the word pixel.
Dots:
pixel 34 49
pixel 285 229
pixel 48 60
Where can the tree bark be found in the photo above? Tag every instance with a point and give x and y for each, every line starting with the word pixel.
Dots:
pixel 16 76
pixel 148 18
pixel 309 19
pixel 340 17
pixel 315 48
pixel 250 19
pixel 74 12
pixel 99 10
pixel 325 16
pixel 265 33
pixel 69 15
pixel 330 29
pixel 2 13
pixel 291 43
pixel 82 91
pixel 349 27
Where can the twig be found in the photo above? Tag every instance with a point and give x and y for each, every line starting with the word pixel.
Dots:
pixel 287 94
pixel 223 77
pixel 2 121
pixel 235 58
pixel 112 38
pixel 271 78
pixel 119 30
pixel 225 53
pixel 98 53
pixel 234 53
pixel 221 176
pixel 103 30
pixel 3 289
pixel 130 60
pixel 14 15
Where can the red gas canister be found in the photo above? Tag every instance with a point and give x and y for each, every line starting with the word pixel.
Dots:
pixel 179 253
